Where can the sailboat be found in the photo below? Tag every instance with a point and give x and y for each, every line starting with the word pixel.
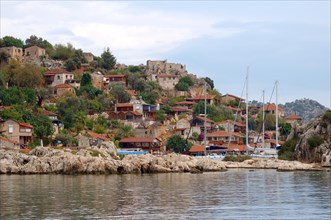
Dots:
pixel 264 152
pixel 205 146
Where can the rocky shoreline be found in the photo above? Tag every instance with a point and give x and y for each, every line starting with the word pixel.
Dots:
pixel 43 160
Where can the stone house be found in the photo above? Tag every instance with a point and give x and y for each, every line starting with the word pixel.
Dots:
pixel 95 139
pixel 271 109
pixel 149 144
pixel 225 136
pixel 293 119
pixel 185 104
pixel 14 52
pixel 228 97
pixel 198 98
pixel 163 67
pixel 199 121
pixel 232 126
pixel 18 132
pixel 182 128
pixel 33 52
pixel 63 89
pixel 167 81
pixel 165 74
pixel 98 80
pixel 7 143
pixel 120 78
pixel 57 76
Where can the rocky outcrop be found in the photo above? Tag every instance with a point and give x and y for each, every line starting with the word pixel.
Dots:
pixel 280 165
pixel 95 161
pixel 314 141
pixel 43 160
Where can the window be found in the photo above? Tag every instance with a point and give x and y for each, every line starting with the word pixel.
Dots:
pixel 10 129
pixel 58 77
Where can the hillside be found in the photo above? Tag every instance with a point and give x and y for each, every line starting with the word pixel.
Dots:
pixel 307 109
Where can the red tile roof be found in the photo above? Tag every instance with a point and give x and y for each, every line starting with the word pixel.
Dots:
pixel 238 147
pixel 95 135
pixel 233 108
pixel 186 103
pixel 8 140
pixel 34 47
pixel 274 141
pixel 25 125
pixel 55 71
pixel 293 117
pixel 176 109
pixel 203 119
pixel 196 149
pixel 48 113
pixel 132 92
pixel 114 76
pixel 202 97
pixel 63 86
pixel 223 134
pixel 4 107
pixel 124 105
pixel 180 129
pixel 271 107
pixel 233 96
pixel 137 140
pixel 167 75
pixel 233 122
pixel 136 113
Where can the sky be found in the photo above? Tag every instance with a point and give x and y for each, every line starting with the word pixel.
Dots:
pixel 287 41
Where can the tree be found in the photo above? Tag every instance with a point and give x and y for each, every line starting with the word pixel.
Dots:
pixel 66 138
pixel 119 92
pixel 62 52
pixel 184 83
pixel 210 82
pixel 72 111
pixel 15 95
pixel 70 65
pixel 33 40
pixel 11 71
pixel 124 131
pixel 215 113
pixel 42 126
pixel 161 115
pixel 4 58
pixel 30 76
pixel 108 61
pixel 178 144
pixel 9 41
pixel 86 80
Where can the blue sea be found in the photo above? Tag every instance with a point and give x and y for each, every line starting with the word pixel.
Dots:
pixel 234 194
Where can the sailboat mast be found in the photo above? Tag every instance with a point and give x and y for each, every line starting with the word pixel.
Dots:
pixel 247 110
pixel 263 128
pixel 205 122
pixel 276 113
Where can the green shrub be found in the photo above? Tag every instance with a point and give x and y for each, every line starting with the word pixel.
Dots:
pixel 287 150
pixel 237 158
pixel 314 141
pixel 327 115
pixel 95 153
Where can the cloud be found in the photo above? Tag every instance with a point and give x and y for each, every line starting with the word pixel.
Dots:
pixel 121 26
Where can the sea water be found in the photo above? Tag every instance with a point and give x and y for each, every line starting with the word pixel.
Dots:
pixel 234 194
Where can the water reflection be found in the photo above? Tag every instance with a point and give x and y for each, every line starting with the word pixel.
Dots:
pixel 236 194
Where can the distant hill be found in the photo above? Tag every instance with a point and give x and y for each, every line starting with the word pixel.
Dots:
pixel 305 108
